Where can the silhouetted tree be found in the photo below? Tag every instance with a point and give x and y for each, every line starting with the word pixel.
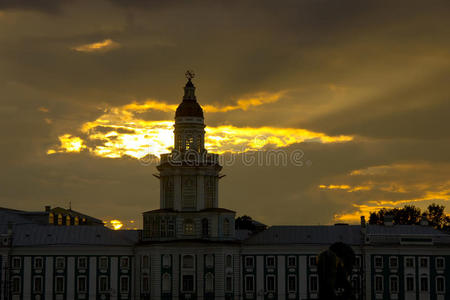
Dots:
pixel 335 266
pixel 410 214
pixel 245 222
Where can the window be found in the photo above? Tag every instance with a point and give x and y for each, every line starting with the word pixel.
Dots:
pixel 424 283
pixel 270 261
pixel 82 262
pixel 51 218
pixel 423 262
pixel 166 282
pixel 292 283
pixel 124 284
pixel 356 284
pixel 440 284
pixel 205 227
pixel 292 261
pixel 229 261
pixel 103 263
pixel 166 261
pixel 162 227
pixel 378 283
pixel 37 284
pixel 249 261
pixel 229 284
pixel 67 220
pixel 226 227
pixel 313 261
pixel 15 285
pixel 103 284
pixel 209 282
pixel 249 283
pixel 313 283
pixel 59 284
pixel 145 284
pixel 60 262
pixel 409 262
pixel 393 284
pixel 393 262
pixel 16 263
pixel 188 262
pixel 59 219
pixel 81 284
pixel 145 262
pixel 188 283
pixel 124 262
pixel 170 228
pixel 188 227
pixel 410 283
pixel 270 283
pixel 38 263
pixel 440 263
pixel 378 262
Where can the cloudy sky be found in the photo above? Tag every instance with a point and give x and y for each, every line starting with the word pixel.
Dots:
pixel 361 89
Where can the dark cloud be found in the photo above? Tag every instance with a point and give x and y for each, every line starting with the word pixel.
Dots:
pixel 374 69
pixel 49 6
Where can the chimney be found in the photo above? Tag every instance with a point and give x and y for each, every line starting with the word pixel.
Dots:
pixel 388 220
pixel 363 222
pixel 48 208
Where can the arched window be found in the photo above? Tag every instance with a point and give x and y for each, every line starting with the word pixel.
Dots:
pixel 209 282
pixel 76 221
pixel 188 262
pixel 205 227
pixel 67 220
pixel 189 227
pixel 166 286
pixel 226 227
pixel 60 219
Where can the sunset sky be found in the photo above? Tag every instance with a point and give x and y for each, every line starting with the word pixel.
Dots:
pixel 88 92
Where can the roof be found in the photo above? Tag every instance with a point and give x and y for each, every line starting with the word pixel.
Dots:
pixel 171 210
pixel 189 107
pixel 403 230
pixel 42 235
pixel 349 234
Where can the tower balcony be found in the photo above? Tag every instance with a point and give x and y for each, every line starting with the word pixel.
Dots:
pixel 189 158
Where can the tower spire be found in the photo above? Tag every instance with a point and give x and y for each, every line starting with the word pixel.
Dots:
pixel 189 88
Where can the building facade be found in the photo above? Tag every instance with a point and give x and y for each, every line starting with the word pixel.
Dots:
pixel 189 248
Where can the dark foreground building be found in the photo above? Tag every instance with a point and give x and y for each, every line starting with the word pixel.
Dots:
pixel 189 248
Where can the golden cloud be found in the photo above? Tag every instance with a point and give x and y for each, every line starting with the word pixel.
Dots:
pixel 120 132
pixel 393 186
pixel 104 45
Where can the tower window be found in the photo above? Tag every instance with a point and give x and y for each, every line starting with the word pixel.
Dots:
pixel 205 227
pixel 188 262
pixel 226 227
pixel 188 283
pixel 189 227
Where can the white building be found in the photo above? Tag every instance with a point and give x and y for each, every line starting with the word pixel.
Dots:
pixel 189 249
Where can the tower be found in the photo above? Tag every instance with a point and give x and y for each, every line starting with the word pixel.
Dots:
pixel 189 182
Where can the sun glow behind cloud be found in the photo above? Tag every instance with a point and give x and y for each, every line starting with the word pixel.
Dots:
pixel 120 132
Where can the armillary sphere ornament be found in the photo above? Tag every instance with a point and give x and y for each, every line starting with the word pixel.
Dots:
pixel 189 74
